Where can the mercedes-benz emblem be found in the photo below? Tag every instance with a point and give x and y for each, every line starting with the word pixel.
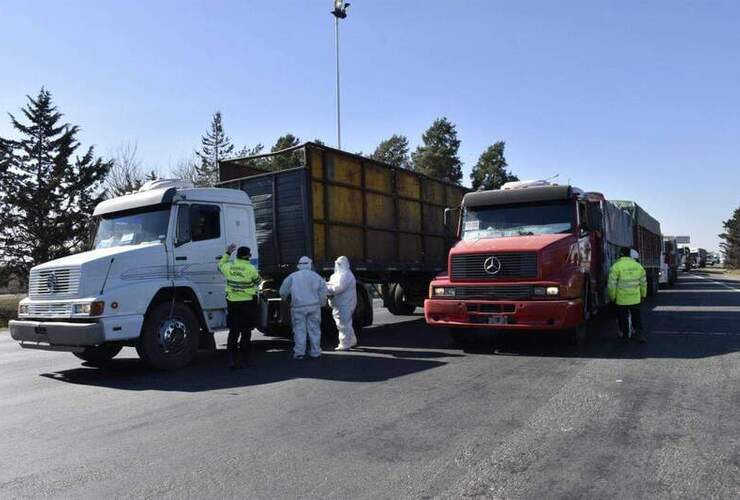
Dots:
pixel 492 265
pixel 51 282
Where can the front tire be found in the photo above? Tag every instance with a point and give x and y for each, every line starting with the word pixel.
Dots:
pixel 169 337
pixel 397 304
pixel 99 355
pixel 577 336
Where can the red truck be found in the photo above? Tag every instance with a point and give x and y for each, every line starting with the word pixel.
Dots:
pixel 532 257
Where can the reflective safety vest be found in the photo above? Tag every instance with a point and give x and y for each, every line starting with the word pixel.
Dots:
pixel 627 282
pixel 242 278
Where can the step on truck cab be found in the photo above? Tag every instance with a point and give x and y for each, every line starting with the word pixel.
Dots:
pixel 150 279
pixel 531 256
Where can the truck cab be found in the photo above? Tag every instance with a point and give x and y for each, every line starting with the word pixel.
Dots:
pixel 149 279
pixel 530 257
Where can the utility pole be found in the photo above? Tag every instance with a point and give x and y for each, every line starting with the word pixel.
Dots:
pixel 339 12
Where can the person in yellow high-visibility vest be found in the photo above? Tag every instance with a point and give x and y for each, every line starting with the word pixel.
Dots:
pixel 627 287
pixel 242 283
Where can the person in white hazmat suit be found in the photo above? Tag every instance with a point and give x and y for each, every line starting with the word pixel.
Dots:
pixel 308 294
pixel 343 300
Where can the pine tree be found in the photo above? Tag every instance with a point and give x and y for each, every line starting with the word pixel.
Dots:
pixel 286 160
pixel 437 157
pixel 215 146
pixel 490 172
pixel 731 240
pixel 393 151
pixel 48 190
pixel 261 163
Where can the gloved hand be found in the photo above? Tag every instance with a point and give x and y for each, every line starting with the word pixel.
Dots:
pixel 230 248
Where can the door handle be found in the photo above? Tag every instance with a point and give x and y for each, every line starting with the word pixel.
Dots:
pixel 218 257
pixel 183 257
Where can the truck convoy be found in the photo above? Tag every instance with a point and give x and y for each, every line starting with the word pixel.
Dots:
pixel 150 278
pixel 535 256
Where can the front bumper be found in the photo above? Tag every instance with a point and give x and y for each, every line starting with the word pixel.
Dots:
pixel 62 334
pixel 508 315
pixel 57 335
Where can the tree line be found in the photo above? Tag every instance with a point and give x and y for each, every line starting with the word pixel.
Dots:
pixel 50 184
pixel 730 243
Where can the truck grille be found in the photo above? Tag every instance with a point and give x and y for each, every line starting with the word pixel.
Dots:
pixel 48 283
pixel 493 292
pixel 512 265
pixel 50 310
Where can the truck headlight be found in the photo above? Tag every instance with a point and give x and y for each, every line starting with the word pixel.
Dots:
pixel 443 291
pixel 22 309
pixel 91 308
pixel 550 291
pixel 553 290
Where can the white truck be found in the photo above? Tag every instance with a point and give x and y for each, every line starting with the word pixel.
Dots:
pixel 150 280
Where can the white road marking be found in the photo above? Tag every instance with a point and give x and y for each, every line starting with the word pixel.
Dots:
pixel 710 280
pixel 677 332
pixel 696 309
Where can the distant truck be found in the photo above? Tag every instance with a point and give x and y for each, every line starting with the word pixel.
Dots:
pixel 684 252
pixel 670 261
pixel 698 257
pixel 535 256
pixel 150 279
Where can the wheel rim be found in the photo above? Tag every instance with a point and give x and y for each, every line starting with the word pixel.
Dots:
pixel 172 335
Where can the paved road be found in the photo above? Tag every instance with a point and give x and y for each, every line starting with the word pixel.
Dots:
pixel 408 415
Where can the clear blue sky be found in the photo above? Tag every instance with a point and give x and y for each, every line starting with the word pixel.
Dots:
pixel 639 100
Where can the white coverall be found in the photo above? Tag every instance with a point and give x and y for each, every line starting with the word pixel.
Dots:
pixel 342 287
pixel 308 293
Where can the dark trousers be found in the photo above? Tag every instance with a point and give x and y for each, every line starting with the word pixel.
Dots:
pixel 624 312
pixel 241 319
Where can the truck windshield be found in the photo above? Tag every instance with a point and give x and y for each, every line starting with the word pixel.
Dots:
pixel 517 220
pixel 132 228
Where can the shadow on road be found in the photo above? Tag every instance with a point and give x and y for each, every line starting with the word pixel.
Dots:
pixel 271 362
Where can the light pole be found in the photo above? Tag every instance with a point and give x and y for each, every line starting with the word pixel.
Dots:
pixel 339 12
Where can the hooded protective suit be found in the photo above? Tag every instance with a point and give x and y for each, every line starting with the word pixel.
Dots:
pixel 342 286
pixel 308 293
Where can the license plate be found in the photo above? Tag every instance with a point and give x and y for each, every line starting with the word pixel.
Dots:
pixel 497 320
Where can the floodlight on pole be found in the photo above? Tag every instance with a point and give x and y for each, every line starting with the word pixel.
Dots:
pixel 339 12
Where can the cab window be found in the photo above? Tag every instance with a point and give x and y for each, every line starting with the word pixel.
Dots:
pixel 205 222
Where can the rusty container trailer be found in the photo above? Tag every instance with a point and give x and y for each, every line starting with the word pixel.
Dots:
pixel 322 202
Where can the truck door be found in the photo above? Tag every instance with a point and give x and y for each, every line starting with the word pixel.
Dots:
pixel 200 244
pixel 238 228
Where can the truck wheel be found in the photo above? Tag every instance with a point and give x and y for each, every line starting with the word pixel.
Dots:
pixel 363 315
pixel 577 336
pixel 169 341
pixel 99 355
pixel 397 304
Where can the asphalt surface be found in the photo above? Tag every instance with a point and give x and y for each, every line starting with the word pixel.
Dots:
pixel 406 415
